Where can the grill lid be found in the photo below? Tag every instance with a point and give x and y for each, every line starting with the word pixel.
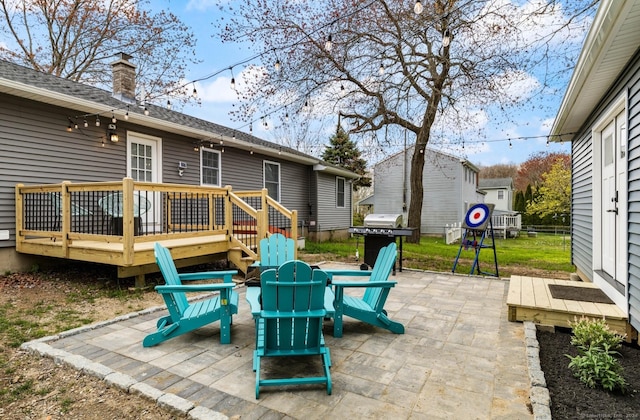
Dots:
pixel 383 220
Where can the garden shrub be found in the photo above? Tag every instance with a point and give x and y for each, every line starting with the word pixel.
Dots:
pixel 596 363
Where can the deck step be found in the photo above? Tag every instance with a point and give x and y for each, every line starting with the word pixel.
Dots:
pixel 529 299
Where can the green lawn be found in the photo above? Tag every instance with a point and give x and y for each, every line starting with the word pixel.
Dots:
pixel 546 255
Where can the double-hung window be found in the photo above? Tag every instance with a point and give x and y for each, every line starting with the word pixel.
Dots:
pixel 210 171
pixel 272 179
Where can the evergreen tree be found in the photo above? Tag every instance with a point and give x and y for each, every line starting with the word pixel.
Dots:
pixel 344 153
pixel 519 204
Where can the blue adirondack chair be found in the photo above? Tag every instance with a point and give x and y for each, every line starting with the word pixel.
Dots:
pixel 184 316
pixel 274 251
pixel 290 320
pixel 369 308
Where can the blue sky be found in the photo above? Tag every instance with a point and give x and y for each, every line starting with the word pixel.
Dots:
pixel 217 98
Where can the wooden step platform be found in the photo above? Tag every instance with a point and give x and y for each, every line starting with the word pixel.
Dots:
pixel 529 299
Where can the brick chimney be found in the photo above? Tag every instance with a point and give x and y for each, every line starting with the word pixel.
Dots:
pixel 124 79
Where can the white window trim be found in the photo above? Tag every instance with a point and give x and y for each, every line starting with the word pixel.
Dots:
pixel 344 192
pixel 264 180
pixel 207 149
pixel 133 136
pixel 619 105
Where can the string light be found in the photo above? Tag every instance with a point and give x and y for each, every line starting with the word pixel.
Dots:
pixel 113 118
pixel 194 93
pixel 233 80
pixel 446 38
pixel 510 145
pixel 70 126
pixel 381 69
pixel 97 121
pixel 86 124
pixel 168 104
pixel 278 65
pixel 328 45
pixel 146 111
pixel 418 7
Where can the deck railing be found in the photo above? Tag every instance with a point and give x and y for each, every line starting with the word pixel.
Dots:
pixel 131 212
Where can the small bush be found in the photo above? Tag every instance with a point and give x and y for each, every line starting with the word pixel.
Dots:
pixel 596 363
pixel 594 333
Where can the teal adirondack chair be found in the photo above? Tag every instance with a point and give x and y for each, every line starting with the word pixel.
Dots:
pixel 184 316
pixel 290 320
pixel 369 308
pixel 274 251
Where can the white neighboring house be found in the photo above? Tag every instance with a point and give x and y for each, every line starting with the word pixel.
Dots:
pixel 450 185
pixel 499 192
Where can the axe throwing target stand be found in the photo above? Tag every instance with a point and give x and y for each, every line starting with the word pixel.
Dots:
pixel 478 228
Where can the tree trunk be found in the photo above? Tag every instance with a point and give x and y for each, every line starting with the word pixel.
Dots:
pixel 417 192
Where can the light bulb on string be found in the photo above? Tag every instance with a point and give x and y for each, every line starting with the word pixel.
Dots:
pixel 278 66
pixel 547 141
pixel 86 124
pixel 194 93
pixel 113 118
pixel 168 104
pixel 146 111
pixel 510 145
pixel 328 45
pixel 446 38
pixel 97 121
pixel 126 116
pixel 418 7
pixel 233 80
pixel 381 69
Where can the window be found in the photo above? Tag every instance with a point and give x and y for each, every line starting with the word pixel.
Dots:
pixel 272 179
pixel 210 161
pixel 500 195
pixel 340 192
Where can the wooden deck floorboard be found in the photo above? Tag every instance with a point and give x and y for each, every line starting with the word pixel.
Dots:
pixel 529 299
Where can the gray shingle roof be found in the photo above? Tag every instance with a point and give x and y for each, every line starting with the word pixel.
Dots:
pixel 491 183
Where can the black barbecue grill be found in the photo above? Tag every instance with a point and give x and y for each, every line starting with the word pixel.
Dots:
pixel 380 230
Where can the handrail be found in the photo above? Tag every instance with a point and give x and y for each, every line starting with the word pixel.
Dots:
pixel 175 211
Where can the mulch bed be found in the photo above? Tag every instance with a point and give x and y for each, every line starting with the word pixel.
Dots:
pixel 570 398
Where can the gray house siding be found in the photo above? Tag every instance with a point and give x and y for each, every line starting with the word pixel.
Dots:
pixel 36 148
pixel 582 205
pixel 633 127
pixel 330 217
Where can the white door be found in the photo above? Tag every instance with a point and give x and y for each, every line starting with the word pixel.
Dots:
pixel 143 164
pixel 613 200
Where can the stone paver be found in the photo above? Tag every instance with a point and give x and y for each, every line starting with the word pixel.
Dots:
pixel 459 358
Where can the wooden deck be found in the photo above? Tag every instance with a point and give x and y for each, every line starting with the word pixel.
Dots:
pixel 529 299
pixel 117 223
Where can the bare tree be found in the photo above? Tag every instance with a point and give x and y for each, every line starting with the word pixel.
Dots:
pixel 381 64
pixel 78 39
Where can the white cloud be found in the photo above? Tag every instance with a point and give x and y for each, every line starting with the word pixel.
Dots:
pixel 201 5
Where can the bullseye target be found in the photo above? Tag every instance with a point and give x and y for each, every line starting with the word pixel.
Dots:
pixel 478 216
